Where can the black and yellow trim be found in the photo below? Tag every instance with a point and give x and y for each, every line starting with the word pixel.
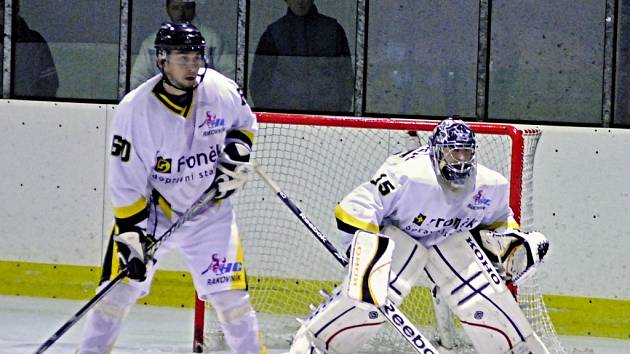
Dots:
pixel 242 135
pixel 169 101
pixel 512 224
pixel 111 266
pixel 162 203
pixel 129 216
pixel 350 224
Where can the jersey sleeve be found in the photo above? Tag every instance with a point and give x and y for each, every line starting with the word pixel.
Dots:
pixel 244 125
pixel 367 205
pixel 501 217
pixel 128 175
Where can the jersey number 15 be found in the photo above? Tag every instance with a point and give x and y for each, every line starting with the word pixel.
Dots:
pixel 383 184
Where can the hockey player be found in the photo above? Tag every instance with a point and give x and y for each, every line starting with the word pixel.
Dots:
pixel 177 135
pixel 447 214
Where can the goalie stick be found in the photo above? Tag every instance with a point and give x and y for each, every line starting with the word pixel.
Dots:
pixel 402 324
pixel 203 203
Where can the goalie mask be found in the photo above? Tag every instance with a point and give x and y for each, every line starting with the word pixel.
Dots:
pixel 453 151
pixel 183 37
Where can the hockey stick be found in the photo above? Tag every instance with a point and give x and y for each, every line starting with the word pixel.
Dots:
pixel 202 204
pixel 402 324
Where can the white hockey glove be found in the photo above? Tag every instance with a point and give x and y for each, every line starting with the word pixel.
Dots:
pixel 135 252
pixel 519 253
pixel 369 266
pixel 233 170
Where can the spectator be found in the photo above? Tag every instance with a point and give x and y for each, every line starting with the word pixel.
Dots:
pixel 303 62
pixel 180 11
pixel 34 72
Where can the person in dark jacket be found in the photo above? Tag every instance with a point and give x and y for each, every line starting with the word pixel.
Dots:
pixel 34 73
pixel 303 62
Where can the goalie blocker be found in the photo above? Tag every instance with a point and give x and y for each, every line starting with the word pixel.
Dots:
pixel 462 272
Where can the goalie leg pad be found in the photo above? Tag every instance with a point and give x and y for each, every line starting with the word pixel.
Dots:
pixel 238 321
pixel 476 294
pixel 368 268
pixel 338 326
pixel 408 260
pixel 104 321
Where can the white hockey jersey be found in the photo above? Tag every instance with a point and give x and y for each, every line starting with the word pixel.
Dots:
pixel 405 192
pixel 169 152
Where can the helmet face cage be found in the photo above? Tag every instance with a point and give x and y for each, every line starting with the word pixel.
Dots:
pixel 453 151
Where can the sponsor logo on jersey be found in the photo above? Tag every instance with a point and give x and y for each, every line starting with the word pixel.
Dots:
pixel 418 220
pixel 215 124
pixel 199 159
pixel 479 201
pixel 422 225
pixel 163 165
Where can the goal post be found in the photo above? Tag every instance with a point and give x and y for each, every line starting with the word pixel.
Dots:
pixel 318 160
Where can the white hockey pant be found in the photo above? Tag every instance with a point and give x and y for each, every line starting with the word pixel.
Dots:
pixel 477 295
pixel 104 321
pixel 342 325
pixel 238 321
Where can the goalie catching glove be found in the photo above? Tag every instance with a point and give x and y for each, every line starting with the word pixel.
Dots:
pixel 519 253
pixel 135 251
pixel 233 170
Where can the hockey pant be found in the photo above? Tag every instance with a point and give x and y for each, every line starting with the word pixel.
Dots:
pixel 233 307
pixel 472 288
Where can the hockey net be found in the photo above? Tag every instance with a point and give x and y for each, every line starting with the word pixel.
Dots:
pixel 316 161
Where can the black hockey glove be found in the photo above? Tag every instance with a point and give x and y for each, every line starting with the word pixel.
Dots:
pixel 135 251
pixel 233 170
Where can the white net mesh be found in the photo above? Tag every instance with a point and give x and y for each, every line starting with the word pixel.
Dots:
pixel 316 166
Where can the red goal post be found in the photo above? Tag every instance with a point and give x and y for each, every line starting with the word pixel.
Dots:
pixel 317 160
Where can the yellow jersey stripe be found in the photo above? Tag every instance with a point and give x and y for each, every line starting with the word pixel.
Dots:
pixel 130 210
pixel 352 221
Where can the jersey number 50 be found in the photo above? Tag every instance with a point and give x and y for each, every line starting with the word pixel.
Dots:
pixel 121 147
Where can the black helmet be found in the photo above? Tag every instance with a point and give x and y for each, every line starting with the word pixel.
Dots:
pixel 179 36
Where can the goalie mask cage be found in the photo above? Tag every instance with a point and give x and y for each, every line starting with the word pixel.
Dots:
pixel 316 161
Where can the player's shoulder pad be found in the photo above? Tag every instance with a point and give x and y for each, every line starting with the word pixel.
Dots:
pixel 222 86
pixel 413 164
pixel 489 176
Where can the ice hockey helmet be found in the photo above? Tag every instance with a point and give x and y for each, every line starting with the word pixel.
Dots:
pixel 179 36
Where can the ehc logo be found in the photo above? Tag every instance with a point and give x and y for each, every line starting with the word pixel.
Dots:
pixel 215 124
pixel 218 265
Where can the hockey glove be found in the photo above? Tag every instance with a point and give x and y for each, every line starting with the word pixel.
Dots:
pixel 519 254
pixel 233 170
pixel 135 252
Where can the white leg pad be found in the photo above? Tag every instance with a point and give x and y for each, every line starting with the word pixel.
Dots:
pixel 104 322
pixel 338 326
pixel 476 294
pixel 342 325
pixel 238 321
pixel 408 260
